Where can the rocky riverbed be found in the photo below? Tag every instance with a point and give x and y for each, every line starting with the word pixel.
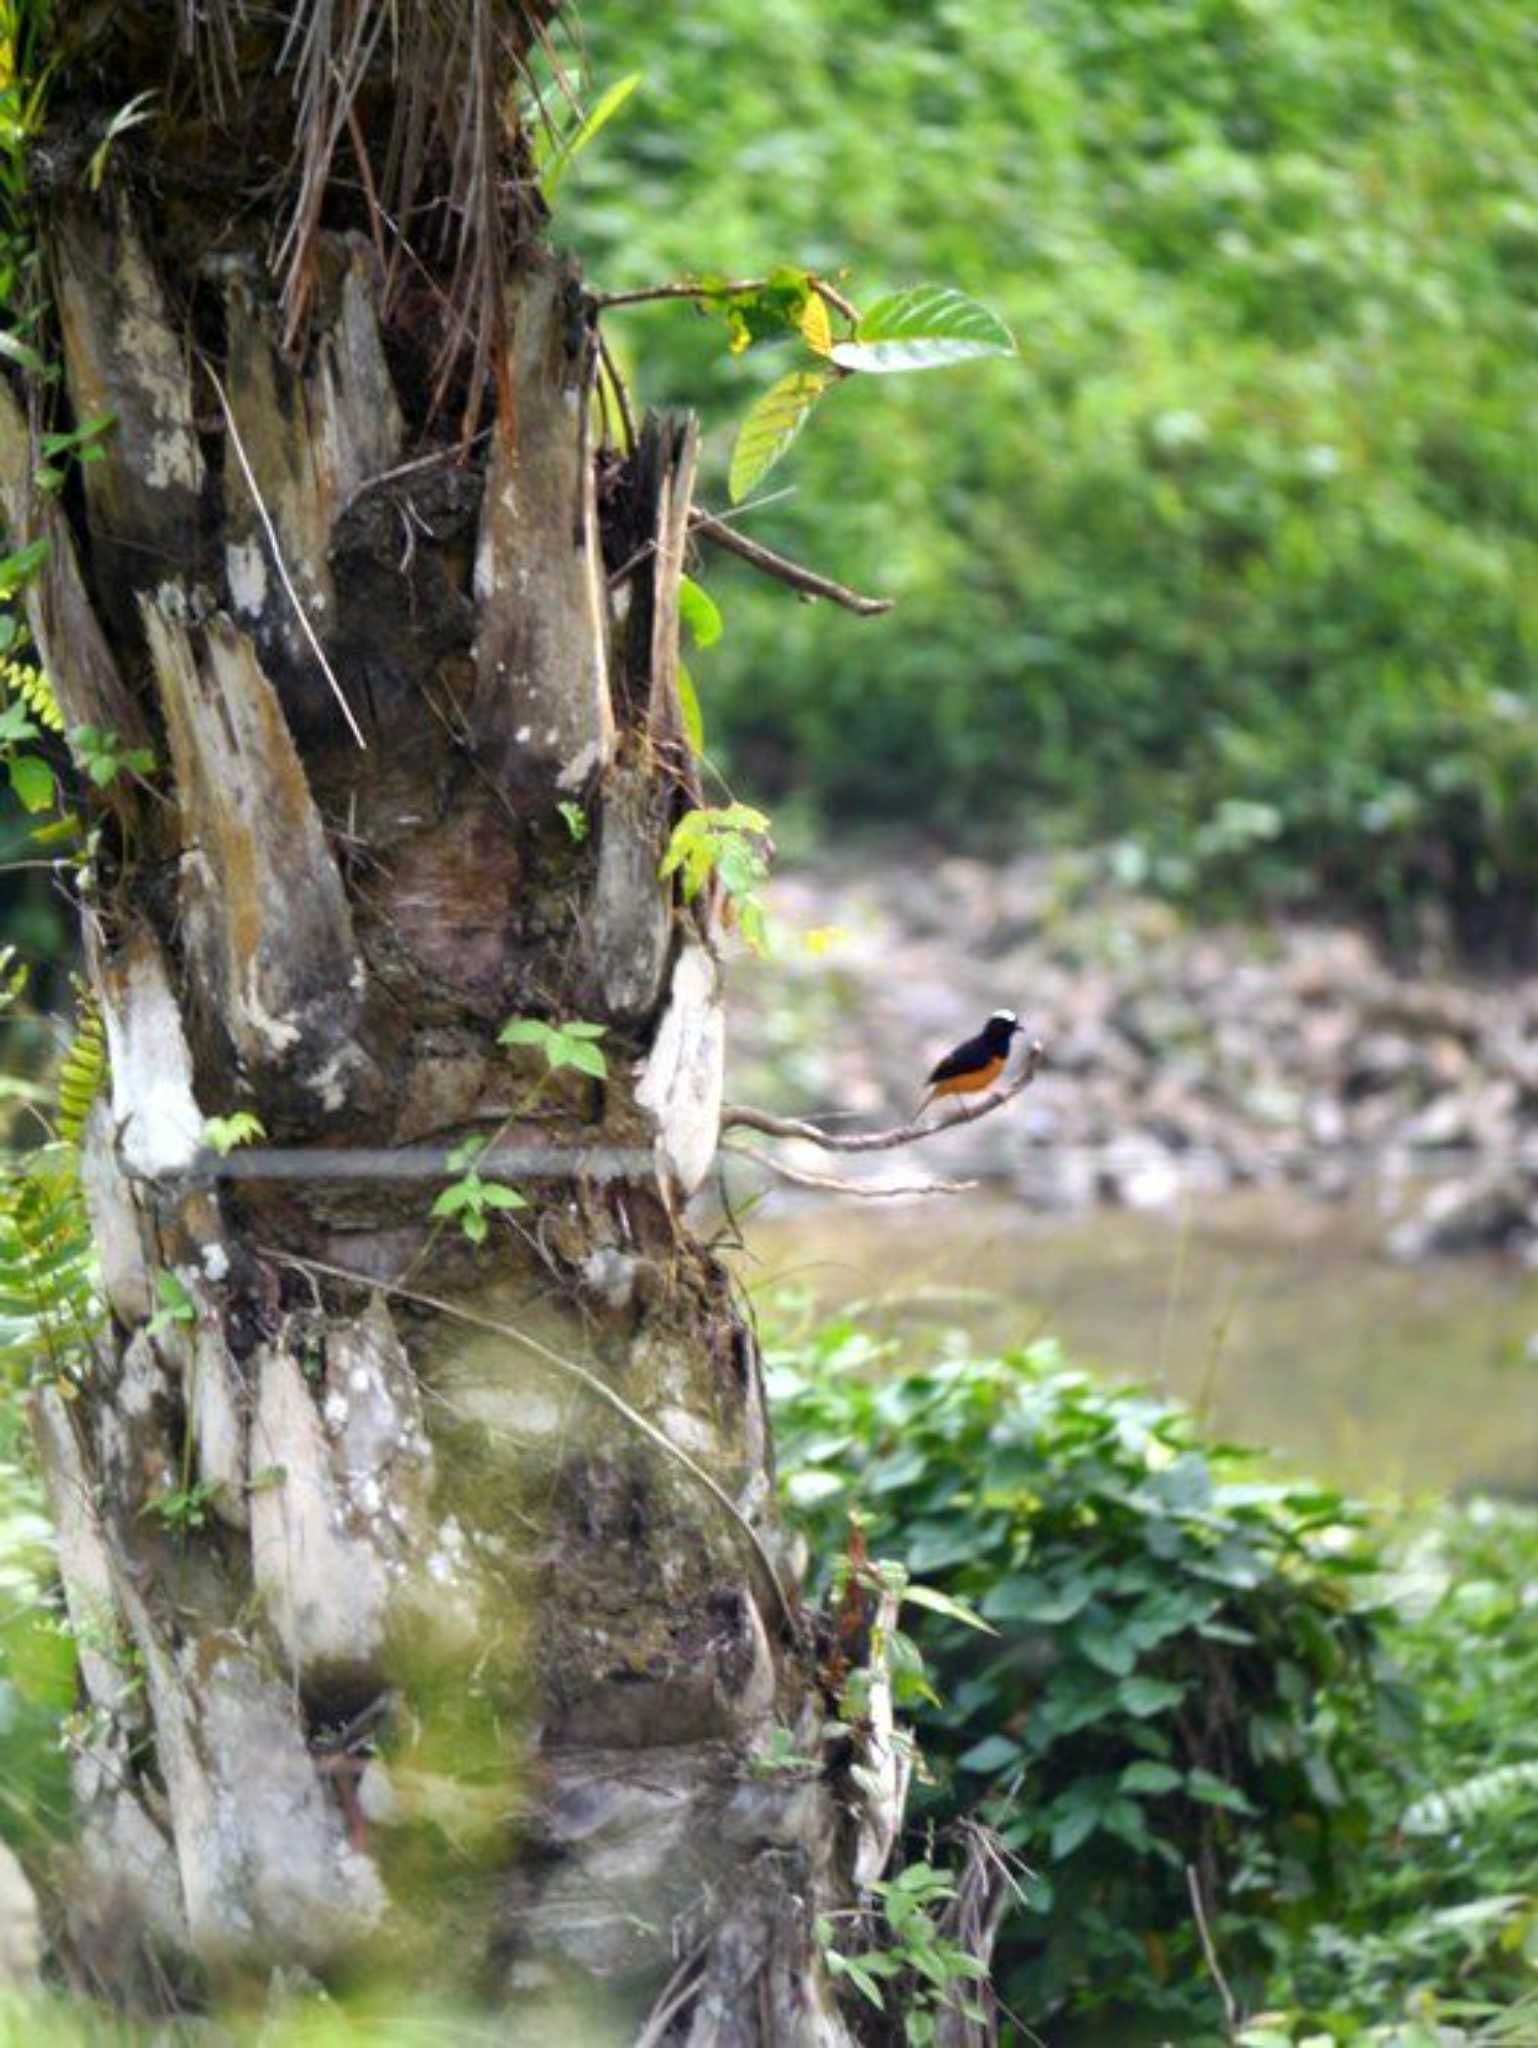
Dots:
pixel 1179 1059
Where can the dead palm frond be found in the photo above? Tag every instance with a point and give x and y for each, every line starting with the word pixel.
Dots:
pixel 420 91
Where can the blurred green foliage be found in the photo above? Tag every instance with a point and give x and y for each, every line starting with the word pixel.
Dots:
pixel 1239 560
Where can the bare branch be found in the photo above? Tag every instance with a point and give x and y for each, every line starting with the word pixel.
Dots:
pixel 685 288
pixel 734 1117
pixel 782 568
pixel 828 1183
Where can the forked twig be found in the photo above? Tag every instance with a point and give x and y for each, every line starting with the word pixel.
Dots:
pixel 782 568
pixel 277 554
pixel 735 1117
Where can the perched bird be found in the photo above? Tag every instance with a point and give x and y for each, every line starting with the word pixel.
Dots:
pixel 976 1063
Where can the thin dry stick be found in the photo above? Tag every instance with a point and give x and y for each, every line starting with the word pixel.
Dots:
pixel 829 1183
pixel 622 396
pixel 1209 1950
pixel 782 568
pixel 277 555
pixel 572 1370
pixel 734 1117
pixel 683 1985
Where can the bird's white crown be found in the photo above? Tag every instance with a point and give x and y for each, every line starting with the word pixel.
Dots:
pixel 1003 1017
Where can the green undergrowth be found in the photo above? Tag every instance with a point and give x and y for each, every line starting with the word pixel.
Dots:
pixel 1239 560
pixel 1201 1667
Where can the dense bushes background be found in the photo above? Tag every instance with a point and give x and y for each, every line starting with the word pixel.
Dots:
pixel 1240 558
pixel 1199 1665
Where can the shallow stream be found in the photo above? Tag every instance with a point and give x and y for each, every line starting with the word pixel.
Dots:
pixel 1277 1316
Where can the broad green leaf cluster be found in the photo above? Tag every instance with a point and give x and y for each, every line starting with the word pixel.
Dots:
pixel 1186 1671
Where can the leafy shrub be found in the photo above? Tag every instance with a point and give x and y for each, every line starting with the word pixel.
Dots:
pixel 1448 1917
pixel 1186 1676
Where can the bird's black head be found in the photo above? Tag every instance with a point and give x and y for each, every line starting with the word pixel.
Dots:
pixel 1001 1028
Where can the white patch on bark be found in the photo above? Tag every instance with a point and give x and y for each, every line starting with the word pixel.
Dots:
pixel 330 1542
pixel 579 767
pixel 324 1590
pixel 681 1081
pixel 328 1080
pixel 245 565
pixel 279 1032
pixel 159 1124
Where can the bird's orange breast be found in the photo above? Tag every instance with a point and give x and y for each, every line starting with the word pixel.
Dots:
pixel 968 1084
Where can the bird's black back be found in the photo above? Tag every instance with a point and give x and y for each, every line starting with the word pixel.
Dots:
pixel 991 1043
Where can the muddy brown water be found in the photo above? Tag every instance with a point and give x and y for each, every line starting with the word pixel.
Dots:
pixel 1277 1317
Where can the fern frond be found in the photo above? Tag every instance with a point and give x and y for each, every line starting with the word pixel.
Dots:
pixel 1439 1813
pixel 25 680
pixel 49 1306
pixel 83 1068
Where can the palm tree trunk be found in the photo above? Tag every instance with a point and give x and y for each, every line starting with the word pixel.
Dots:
pixel 432 1615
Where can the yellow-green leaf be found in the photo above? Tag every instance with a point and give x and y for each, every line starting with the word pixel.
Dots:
pixel 816 327
pixel 689 706
pixel 571 146
pixel 770 427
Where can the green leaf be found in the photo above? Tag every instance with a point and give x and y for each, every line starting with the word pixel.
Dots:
pixel 700 612
pixel 32 780
pixel 769 309
pixel 689 709
pixel 1021 1599
pixel 806 1488
pixel 942 1603
pixel 21 352
pixel 21 565
pixel 175 1301
pixel 1076 1826
pixel 16 724
pixel 223 1133
pixel 496 1194
pixel 570 147
pixel 1148 1776
pixel 1105 1645
pixel 581 1054
pixel 927 327
pixel 772 423
pixel 994 1753
pixel 1212 1790
pixel 454 1198
pixel 524 1031
pixel 1144 1696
